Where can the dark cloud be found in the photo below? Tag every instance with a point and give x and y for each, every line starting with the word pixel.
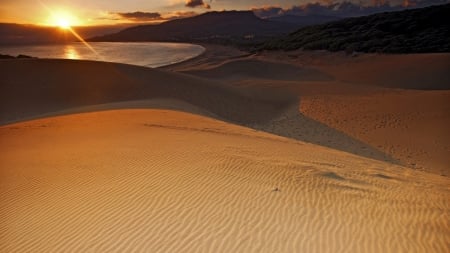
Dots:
pixel 180 14
pixel 344 9
pixel 197 3
pixel 111 16
pixel 269 11
pixel 152 17
pixel 140 16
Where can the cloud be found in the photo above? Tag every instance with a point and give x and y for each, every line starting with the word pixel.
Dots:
pixel 344 9
pixel 145 17
pixel 180 14
pixel 140 16
pixel 269 11
pixel 197 3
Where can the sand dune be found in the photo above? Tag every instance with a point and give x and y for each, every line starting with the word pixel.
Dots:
pixel 103 157
pixel 415 71
pixel 367 99
pixel 165 181
pixel 70 89
pixel 402 71
pixel 260 69
pixel 251 90
pixel 411 126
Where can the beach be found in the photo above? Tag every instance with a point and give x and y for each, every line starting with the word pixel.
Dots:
pixel 227 152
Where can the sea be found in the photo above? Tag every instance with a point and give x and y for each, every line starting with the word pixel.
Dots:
pixel 148 54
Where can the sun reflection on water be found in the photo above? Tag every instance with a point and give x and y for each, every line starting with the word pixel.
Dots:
pixel 71 53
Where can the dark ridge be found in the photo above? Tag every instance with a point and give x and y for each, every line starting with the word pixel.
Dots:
pixel 424 30
pixel 302 21
pixel 23 34
pixel 226 27
pixel 20 56
pixel 6 56
pixel 15 34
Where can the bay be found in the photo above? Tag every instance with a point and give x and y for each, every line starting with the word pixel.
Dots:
pixel 148 54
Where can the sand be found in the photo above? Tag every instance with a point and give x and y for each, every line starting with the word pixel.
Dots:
pixel 102 157
pixel 166 181
pixel 388 107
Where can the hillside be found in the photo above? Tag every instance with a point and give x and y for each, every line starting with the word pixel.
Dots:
pixel 30 34
pixel 304 20
pixel 226 26
pixel 423 30
pixel 15 34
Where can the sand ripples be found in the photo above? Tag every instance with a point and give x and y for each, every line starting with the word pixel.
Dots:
pixel 165 187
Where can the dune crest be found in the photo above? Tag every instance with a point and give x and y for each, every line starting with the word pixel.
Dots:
pixel 73 84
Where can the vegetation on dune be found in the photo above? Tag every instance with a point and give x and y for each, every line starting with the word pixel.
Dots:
pixel 20 56
pixel 423 30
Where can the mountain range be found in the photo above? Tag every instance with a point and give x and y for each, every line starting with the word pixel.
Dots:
pixel 226 26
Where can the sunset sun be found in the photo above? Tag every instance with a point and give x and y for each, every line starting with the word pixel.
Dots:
pixel 63 20
pixel 63 23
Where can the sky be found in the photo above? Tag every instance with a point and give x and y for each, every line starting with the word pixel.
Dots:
pixel 99 12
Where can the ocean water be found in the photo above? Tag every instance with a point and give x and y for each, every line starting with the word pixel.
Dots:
pixel 148 54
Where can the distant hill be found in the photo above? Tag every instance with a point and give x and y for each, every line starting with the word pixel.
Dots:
pixel 226 26
pixel 304 20
pixel 31 34
pixel 422 30
pixel 17 34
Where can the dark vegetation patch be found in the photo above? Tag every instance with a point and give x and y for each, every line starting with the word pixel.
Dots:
pixel 424 30
pixel 332 175
pixel 382 176
pixel 20 56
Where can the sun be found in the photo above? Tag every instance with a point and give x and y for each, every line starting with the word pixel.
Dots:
pixel 63 23
pixel 63 20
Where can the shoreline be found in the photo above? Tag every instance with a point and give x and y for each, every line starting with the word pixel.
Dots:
pixel 69 52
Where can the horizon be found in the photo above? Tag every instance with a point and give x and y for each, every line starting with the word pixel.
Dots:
pixel 81 13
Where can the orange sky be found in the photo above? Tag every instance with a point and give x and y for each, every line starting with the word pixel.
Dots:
pixel 96 12
pixel 100 12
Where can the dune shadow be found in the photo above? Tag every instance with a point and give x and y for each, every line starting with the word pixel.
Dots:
pixel 332 175
pixel 286 120
pixel 383 176
pixel 294 125
pixel 83 86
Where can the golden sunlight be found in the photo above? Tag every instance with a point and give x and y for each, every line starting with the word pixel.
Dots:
pixel 62 20
pixel 66 21
pixel 71 53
